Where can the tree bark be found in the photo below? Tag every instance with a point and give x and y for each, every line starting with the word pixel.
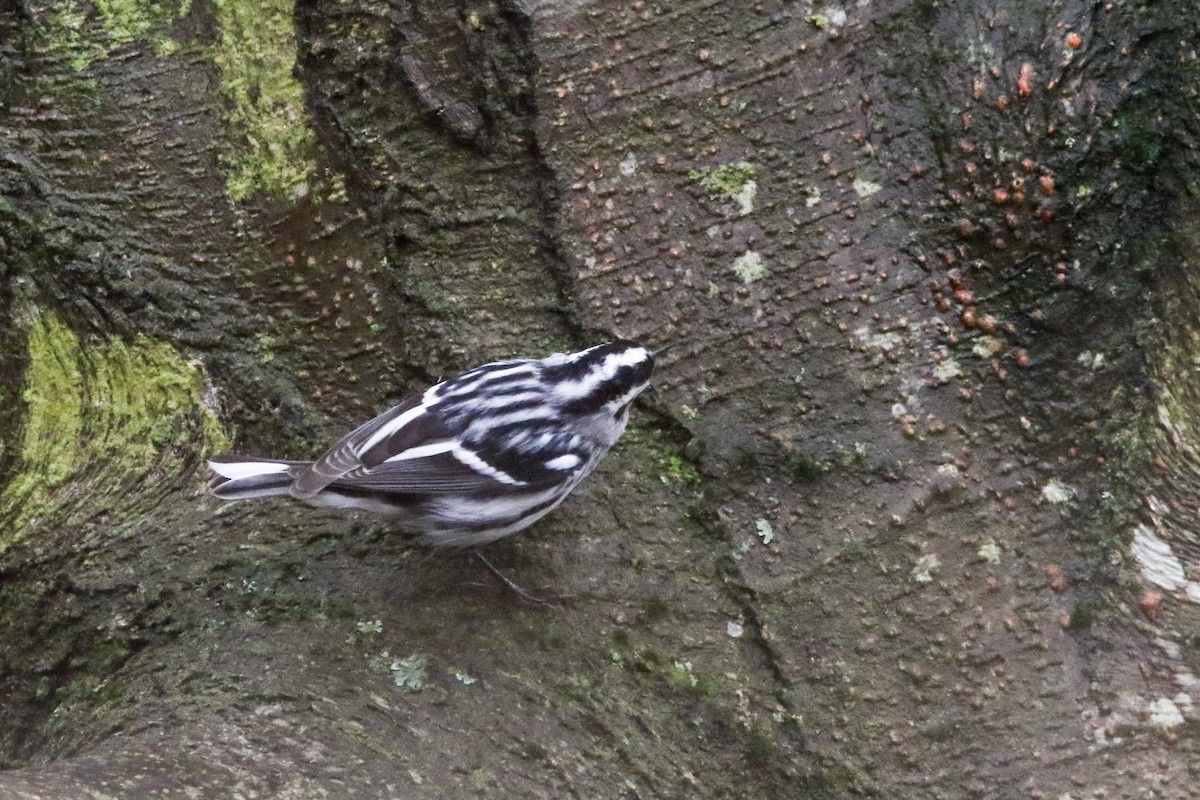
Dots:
pixel 911 512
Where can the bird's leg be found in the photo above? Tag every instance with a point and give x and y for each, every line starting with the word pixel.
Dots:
pixel 524 595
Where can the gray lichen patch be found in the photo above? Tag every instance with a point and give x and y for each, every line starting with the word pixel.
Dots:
pixel 750 267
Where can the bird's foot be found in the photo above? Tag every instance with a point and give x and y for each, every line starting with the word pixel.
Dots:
pixel 526 598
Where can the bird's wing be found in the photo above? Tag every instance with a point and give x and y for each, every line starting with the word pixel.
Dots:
pixel 407 424
pixel 437 468
pixel 448 466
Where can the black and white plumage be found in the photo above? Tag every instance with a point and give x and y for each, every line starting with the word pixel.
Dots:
pixel 474 458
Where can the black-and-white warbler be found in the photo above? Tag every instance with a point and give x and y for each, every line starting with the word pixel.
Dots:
pixel 474 458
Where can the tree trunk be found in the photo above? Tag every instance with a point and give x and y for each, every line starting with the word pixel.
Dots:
pixel 910 514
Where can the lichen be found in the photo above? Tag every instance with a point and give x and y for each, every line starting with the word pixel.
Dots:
pixel 926 566
pixel 256 52
pixel 1055 491
pixel 945 370
pixel 990 551
pixel 409 673
pixel 737 182
pixel 103 413
pixel 866 188
pixel 749 266
pixel 682 676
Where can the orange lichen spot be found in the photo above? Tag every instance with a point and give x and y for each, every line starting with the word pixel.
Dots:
pixel 1047 185
pixel 1074 40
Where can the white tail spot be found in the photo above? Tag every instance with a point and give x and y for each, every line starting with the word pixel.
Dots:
pixel 245 469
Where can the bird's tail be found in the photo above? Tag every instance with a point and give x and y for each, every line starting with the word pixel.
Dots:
pixel 241 478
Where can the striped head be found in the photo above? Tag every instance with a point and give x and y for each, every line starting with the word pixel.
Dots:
pixel 598 385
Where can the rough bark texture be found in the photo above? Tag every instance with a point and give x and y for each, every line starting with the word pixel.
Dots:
pixel 912 513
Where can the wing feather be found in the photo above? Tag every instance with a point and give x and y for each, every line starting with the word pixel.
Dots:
pixel 440 474
pixel 354 450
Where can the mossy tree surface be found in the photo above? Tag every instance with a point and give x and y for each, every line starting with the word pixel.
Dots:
pixel 911 514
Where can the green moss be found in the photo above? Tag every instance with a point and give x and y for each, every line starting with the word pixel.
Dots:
pixel 127 20
pixel 760 749
pixel 256 53
pixel 655 609
pixel 1085 613
pixel 680 471
pixel 1144 140
pixel 86 32
pixel 805 470
pixel 125 408
pixel 727 180
pixel 54 418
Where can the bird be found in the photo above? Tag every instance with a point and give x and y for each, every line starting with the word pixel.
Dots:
pixel 472 459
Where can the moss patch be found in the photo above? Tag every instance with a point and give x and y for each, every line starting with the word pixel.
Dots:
pixel 737 182
pixel 728 179
pixel 256 53
pixel 104 414
pixel 55 408
pixel 127 20
pixel 86 32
